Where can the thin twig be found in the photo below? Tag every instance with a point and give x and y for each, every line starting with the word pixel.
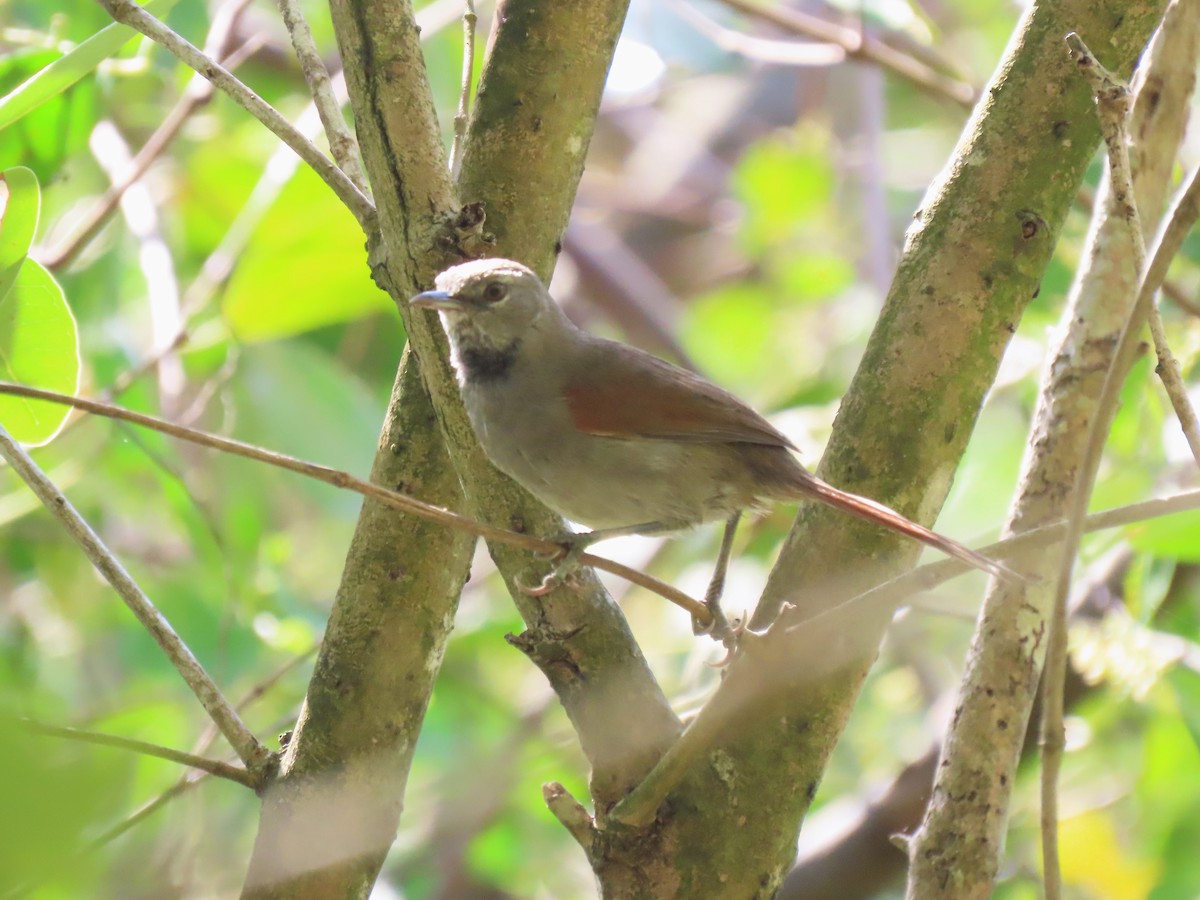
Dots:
pixel 642 803
pixel 191 779
pixel 786 53
pixel 1112 98
pixel 211 766
pixel 129 13
pixel 341 142
pixel 345 480
pixel 1172 379
pixel 249 750
pixel 929 576
pixel 863 47
pixel 459 146
pixel 199 91
pixel 143 812
pixel 1112 104
pixel 1177 295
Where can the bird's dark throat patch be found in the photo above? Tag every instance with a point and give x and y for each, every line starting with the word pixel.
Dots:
pixel 482 364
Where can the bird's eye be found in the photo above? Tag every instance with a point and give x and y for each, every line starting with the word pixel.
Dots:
pixel 495 292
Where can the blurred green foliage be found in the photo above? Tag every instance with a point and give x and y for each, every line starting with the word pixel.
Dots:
pixel 770 204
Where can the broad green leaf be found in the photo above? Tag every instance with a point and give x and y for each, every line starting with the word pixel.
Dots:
pixel 1176 536
pixel 19 201
pixel 46 137
pixel 1186 685
pixel 785 185
pixel 39 341
pixel 70 68
pixel 39 345
pixel 306 268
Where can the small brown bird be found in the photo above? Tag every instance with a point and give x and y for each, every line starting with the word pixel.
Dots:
pixel 612 437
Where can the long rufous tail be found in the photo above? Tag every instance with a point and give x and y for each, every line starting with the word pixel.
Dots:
pixel 872 511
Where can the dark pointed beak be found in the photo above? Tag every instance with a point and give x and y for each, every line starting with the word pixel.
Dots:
pixel 436 300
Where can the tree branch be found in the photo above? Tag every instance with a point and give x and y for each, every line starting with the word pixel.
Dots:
pixel 863 47
pixel 954 853
pixel 127 12
pixel 251 752
pixel 469 20
pixel 929 362
pixel 344 480
pixel 211 766
pixel 342 144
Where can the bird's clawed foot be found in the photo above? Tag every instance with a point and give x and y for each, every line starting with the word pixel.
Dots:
pixel 728 631
pixel 565 559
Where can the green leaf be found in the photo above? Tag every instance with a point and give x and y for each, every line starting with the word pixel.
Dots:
pixel 19 203
pixel 48 135
pixel 784 184
pixel 1186 685
pixel 39 341
pixel 39 345
pixel 305 269
pixel 1175 537
pixel 70 68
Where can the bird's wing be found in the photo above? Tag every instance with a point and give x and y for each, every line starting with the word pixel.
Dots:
pixel 621 392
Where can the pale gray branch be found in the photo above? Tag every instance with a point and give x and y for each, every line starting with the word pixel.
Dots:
pixel 469 20
pixel 132 14
pixel 251 752
pixel 342 144
pixel 345 480
pixel 211 766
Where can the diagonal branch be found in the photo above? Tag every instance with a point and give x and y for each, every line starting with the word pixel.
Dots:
pixel 341 479
pixel 955 850
pixel 198 93
pixel 342 144
pixel 861 46
pixel 127 12
pixel 211 766
pixel 251 752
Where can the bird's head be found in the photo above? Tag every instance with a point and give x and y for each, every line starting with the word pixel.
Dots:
pixel 490 302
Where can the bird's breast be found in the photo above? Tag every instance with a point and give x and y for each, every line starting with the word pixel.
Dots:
pixel 527 431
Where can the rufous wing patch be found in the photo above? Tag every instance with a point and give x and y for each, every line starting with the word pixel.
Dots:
pixel 664 403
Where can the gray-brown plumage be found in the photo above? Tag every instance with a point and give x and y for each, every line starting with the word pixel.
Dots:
pixel 610 436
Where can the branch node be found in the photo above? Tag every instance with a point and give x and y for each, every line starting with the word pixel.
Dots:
pixel 571 814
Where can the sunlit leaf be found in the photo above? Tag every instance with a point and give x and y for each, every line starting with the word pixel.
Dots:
pixel 1092 857
pixel 65 71
pixel 305 268
pixel 19 202
pixel 39 341
pixel 46 137
pixel 1185 683
pixel 1176 536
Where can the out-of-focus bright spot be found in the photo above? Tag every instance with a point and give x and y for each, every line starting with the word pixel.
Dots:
pixel 1092 858
pixel 1078 733
pixel 636 71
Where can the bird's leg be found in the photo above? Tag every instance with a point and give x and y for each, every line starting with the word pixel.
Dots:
pixel 575 545
pixel 719 627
